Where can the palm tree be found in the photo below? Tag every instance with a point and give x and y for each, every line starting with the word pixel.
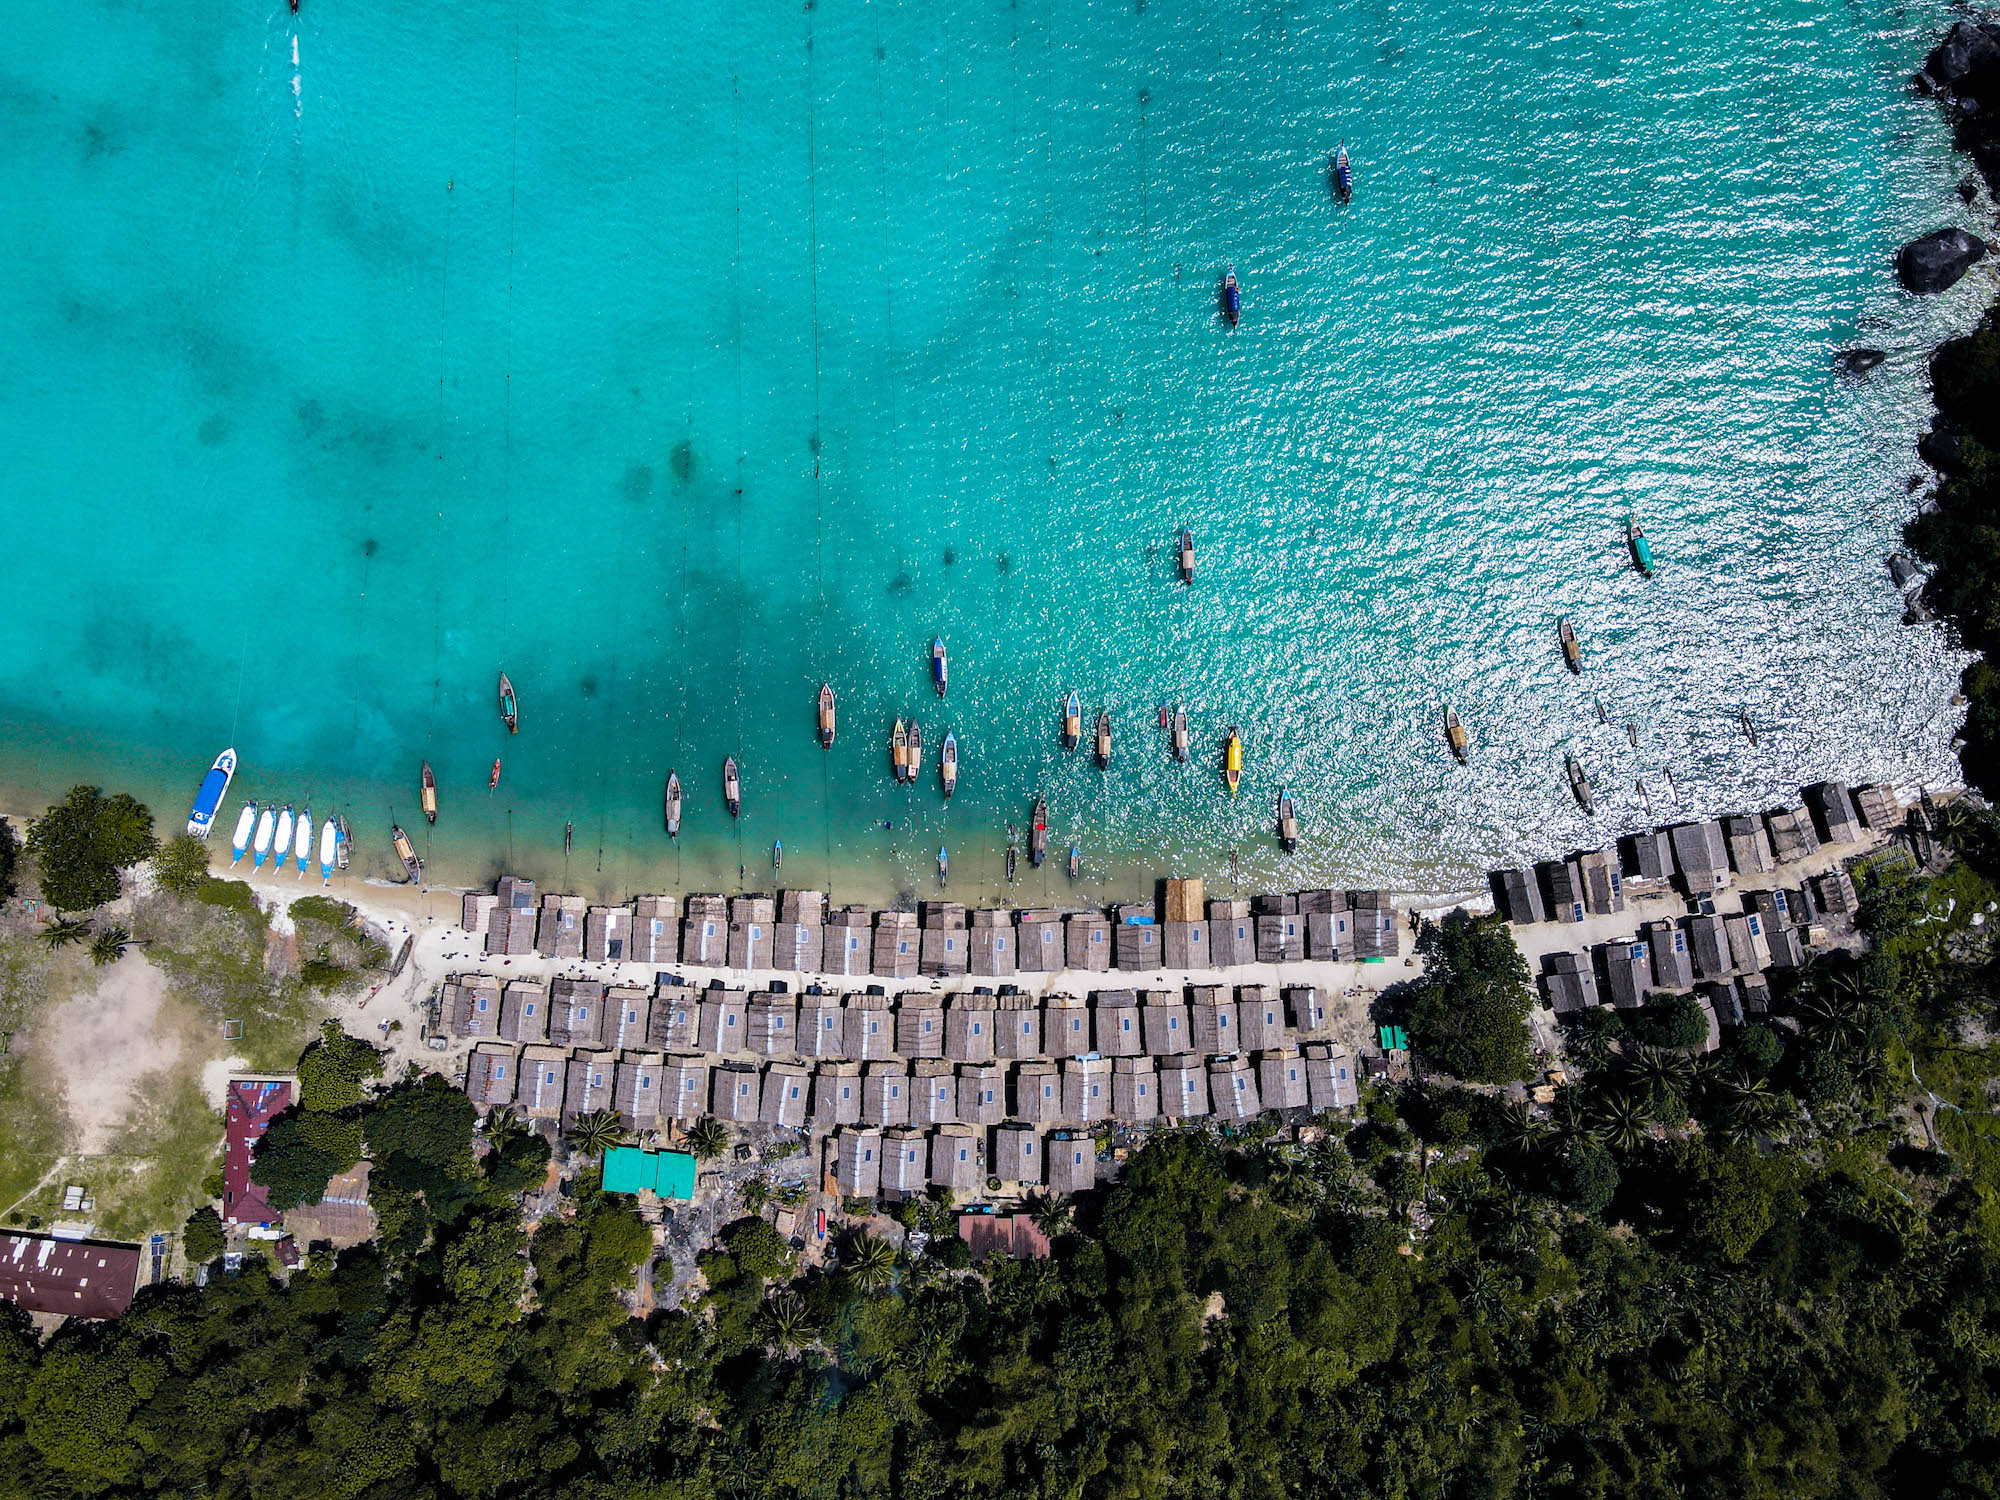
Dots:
pixel 1569 1115
pixel 870 1263
pixel 1622 1121
pixel 64 931
pixel 1050 1212
pixel 1519 1132
pixel 597 1132
pixel 1288 1179
pixel 504 1127
pixel 786 1327
pixel 1660 1073
pixel 708 1138
pixel 108 945
pixel 1836 1016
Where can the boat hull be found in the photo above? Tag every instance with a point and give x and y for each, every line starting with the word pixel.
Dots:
pixel 208 797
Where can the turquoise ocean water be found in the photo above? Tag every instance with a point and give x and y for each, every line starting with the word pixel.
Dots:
pixel 678 360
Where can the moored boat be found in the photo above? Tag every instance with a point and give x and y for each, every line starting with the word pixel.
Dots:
pixel 494 780
pixel 1075 862
pixel 899 750
pixel 1103 739
pixel 345 852
pixel 1187 555
pixel 329 850
pixel 429 785
pixel 1749 729
pixel 777 855
pixel 246 825
pixel 944 865
pixel 1632 733
pixel 1232 761
pixel 826 716
pixel 1579 784
pixel 1288 821
pixel 208 796
pixel 732 788
pixel 948 764
pixel 1572 652
pixel 1038 833
pixel 407 853
pixel 569 836
pixel 940 668
pixel 1072 721
pixel 1454 733
pixel 267 825
pixel 302 842
pixel 510 707
pixel 281 843
pixel 1013 863
pixel 1343 174
pixel 915 759
pixel 1232 297
pixel 673 804
pixel 1180 740
pixel 1642 550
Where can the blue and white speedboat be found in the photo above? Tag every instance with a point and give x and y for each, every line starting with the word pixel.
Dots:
pixel 246 824
pixel 208 800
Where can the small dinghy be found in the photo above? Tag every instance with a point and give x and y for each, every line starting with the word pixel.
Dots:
pixel 246 825
pixel 1232 761
pixel 1187 555
pixel 429 784
pixel 1572 652
pixel 899 751
pixel 1072 721
pixel 673 804
pixel 281 845
pixel 302 842
pixel 1232 297
pixel 345 852
pixel 940 668
pixel 916 750
pixel 267 826
pixel 407 853
pixel 944 865
pixel 1180 739
pixel 826 716
pixel 493 781
pixel 1288 822
pixel 1075 862
pixel 948 764
pixel 208 796
pixel 732 788
pixel 1103 739
pixel 1642 550
pixel 510 708
pixel 1038 833
pixel 1343 175
pixel 1749 729
pixel 1632 733
pixel 1579 784
pixel 1454 734
pixel 329 850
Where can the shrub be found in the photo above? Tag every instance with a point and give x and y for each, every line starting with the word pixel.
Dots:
pixel 1469 1015
pixel 181 865
pixel 202 1236
pixel 83 842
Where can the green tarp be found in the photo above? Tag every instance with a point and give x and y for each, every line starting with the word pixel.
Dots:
pixel 627 1169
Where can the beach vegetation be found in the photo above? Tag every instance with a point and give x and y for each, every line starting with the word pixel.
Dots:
pixel 83 843
pixel 597 1132
pixel 181 864
pixel 108 944
pixel 10 860
pixel 708 1138
pixel 66 932
pixel 1468 1016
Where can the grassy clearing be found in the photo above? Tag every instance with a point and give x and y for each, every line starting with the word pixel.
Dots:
pixel 34 1130
pixel 151 1177
pixel 216 951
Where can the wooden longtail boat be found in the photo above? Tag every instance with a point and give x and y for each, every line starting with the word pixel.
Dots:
pixel 1288 822
pixel 1072 721
pixel 899 751
pixel 916 750
pixel 1642 550
pixel 1180 740
pixel 407 853
pixel 1232 297
pixel 1187 555
pixel 1343 174
pixel 940 667
pixel 1454 733
pixel 1038 833
pixel 948 764
pixel 494 780
pixel 1749 730
pixel 1232 761
pixel 1103 739
pixel 510 707
pixel 673 804
pixel 1572 652
pixel 826 716
pixel 1075 862
pixel 429 784
pixel 732 788
pixel 1579 784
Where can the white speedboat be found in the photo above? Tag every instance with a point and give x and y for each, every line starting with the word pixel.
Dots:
pixel 246 825
pixel 267 823
pixel 302 845
pixel 208 800
pixel 329 850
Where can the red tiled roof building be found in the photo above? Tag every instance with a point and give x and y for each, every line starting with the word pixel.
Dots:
pixel 253 1104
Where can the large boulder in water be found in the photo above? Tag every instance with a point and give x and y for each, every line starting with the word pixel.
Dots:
pixel 1858 361
pixel 1967 49
pixel 1938 259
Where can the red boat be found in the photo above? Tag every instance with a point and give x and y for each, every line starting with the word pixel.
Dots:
pixel 493 780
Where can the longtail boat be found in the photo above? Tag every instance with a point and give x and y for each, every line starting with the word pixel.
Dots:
pixel 407 853
pixel 569 837
pixel 302 842
pixel 1232 297
pixel 267 823
pixel 1072 721
pixel 1632 733
pixel 281 846
pixel 940 668
pixel 1343 174
pixel 1572 653
pixel 1454 733
pixel 732 788
pixel 1075 862
pixel 777 855
pixel 948 764
pixel 1232 761
pixel 345 852
pixel 1642 550
pixel 1187 555
pixel 1103 739
pixel 1038 833
pixel 826 716
pixel 916 750
pixel 944 865
pixel 1180 740
pixel 429 784
pixel 510 708
pixel 1013 863
pixel 1579 784
pixel 329 851
pixel 1288 822
pixel 246 825
pixel 673 804
pixel 493 781
pixel 1749 729
pixel 899 750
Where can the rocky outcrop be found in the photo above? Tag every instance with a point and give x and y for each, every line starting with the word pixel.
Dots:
pixel 1858 361
pixel 1937 260
pixel 1968 49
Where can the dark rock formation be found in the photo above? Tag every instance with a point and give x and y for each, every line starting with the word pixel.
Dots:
pixel 1940 449
pixel 1858 361
pixel 1936 260
pixel 1969 48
